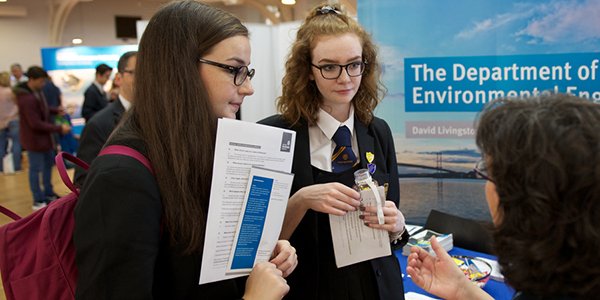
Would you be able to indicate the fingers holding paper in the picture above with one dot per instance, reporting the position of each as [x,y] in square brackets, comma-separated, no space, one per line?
[265,282]
[284,257]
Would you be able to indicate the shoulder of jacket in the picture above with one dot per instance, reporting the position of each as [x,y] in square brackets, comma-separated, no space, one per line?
[20,91]
[274,120]
[379,123]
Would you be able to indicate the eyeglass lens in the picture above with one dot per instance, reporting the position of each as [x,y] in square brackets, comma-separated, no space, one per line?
[240,75]
[481,169]
[334,71]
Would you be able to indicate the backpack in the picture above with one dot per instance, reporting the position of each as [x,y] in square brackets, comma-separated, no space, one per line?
[37,255]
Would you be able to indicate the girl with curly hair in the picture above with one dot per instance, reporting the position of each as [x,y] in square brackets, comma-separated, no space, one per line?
[330,89]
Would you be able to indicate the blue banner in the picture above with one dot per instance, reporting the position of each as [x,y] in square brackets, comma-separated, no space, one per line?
[442,61]
[454,84]
[70,58]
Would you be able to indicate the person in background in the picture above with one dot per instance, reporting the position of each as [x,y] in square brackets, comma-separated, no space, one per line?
[17,75]
[140,236]
[94,97]
[330,90]
[67,142]
[9,124]
[96,131]
[541,159]
[113,93]
[36,130]
[52,93]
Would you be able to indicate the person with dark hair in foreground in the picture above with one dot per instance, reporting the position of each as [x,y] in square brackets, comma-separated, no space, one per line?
[541,159]
[139,236]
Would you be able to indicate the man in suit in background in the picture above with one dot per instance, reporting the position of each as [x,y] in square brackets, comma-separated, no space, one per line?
[94,98]
[99,128]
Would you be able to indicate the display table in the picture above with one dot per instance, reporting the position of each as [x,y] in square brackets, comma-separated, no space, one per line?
[498,290]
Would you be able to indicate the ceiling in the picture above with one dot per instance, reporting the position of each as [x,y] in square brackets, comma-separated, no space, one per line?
[268,11]
[275,11]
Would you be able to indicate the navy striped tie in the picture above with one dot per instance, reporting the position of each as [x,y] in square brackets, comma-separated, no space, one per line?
[343,157]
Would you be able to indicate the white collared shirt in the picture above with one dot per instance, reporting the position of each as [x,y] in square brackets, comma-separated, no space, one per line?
[320,139]
[126,103]
[100,87]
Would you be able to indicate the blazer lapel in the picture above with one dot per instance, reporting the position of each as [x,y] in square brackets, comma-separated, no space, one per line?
[99,91]
[302,164]
[366,142]
[119,108]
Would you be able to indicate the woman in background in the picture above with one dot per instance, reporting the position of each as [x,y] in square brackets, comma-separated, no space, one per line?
[330,90]
[139,236]
[9,124]
[541,159]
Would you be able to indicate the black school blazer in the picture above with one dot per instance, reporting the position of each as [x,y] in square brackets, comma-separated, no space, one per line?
[375,138]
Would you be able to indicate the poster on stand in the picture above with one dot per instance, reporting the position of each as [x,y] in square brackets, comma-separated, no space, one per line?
[73,69]
[443,61]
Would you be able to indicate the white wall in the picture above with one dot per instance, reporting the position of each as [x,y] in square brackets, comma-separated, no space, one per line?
[270,47]
[22,37]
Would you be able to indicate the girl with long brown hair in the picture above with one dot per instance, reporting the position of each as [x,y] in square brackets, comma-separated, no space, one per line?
[139,236]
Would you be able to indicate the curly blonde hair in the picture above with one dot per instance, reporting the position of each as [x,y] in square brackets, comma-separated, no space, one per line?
[4,79]
[300,98]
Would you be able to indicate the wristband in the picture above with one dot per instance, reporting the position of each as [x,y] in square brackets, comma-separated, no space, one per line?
[396,236]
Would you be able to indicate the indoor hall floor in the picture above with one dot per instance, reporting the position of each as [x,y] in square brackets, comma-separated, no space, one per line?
[15,195]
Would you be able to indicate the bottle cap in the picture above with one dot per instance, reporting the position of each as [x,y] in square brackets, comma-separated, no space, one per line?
[362,176]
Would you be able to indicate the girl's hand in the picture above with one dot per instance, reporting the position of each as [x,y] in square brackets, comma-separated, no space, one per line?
[394,219]
[284,257]
[330,198]
[265,282]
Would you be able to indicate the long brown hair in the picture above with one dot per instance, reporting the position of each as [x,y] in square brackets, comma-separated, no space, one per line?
[172,113]
[300,97]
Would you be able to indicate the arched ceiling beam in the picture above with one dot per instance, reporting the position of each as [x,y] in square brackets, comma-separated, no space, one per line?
[59,15]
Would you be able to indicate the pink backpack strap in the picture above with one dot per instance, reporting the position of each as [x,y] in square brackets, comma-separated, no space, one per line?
[127,151]
[59,159]
[9,213]
[62,171]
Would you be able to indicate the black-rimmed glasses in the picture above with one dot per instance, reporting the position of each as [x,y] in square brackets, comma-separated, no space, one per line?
[333,71]
[239,73]
[482,171]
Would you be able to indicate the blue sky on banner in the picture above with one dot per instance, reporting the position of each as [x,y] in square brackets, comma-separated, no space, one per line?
[469,28]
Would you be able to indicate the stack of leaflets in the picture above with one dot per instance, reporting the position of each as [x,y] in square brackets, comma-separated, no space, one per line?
[421,239]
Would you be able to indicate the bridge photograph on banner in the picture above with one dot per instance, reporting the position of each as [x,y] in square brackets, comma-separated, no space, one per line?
[444,60]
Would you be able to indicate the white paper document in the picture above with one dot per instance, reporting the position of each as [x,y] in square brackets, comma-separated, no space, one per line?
[412,229]
[266,200]
[239,147]
[417,296]
[354,242]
